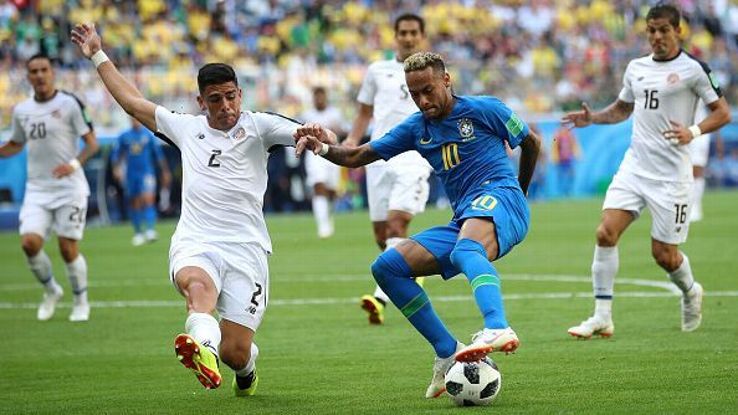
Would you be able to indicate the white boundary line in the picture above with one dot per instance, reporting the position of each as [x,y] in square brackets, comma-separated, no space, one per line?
[322,278]
[334,301]
[668,290]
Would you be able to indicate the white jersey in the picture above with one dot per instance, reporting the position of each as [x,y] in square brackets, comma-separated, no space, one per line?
[662,91]
[384,88]
[224,174]
[52,130]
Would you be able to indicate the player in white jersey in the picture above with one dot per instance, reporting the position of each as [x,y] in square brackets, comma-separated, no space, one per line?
[699,152]
[218,254]
[322,175]
[51,123]
[662,91]
[397,189]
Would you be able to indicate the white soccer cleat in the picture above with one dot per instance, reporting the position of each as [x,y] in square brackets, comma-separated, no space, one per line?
[326,231]
[591,326]
[48,305]
[80,312]
[692,308]
[151,236]
[138,239]
[488,341]
[440,366]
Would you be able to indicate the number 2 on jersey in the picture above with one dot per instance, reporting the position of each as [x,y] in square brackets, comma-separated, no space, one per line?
[213,162]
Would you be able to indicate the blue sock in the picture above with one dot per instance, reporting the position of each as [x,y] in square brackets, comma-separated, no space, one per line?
[470,257]
[393,275]
[149,214]
[136,216]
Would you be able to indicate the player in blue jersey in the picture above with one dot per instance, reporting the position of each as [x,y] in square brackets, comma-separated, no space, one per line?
[463,138]
[140,149]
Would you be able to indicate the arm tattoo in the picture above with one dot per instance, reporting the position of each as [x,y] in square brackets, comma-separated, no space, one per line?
[352,157]
[614,113]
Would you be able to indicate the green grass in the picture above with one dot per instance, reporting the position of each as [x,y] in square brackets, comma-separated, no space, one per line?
[324,358]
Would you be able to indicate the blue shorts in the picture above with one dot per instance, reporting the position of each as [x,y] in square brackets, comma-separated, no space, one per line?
[138,185]
[505,206]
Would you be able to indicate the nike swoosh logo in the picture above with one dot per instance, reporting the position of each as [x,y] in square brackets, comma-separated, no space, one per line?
[425,140]
[640,78]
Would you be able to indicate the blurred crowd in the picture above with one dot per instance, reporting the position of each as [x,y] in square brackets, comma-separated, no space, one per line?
[540,56]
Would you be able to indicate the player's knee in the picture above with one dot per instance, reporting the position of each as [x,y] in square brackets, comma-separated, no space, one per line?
[465,248]
[606,236]
[31,246]
[390,264]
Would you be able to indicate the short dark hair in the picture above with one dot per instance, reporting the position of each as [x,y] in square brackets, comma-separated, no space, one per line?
[410,17]
[319,90]
[665,11]
[215,74]
[39,55]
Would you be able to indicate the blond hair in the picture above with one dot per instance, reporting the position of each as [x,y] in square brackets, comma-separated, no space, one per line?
[421,60]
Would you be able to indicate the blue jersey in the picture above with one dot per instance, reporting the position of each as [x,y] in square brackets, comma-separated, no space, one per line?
[141,150]
[466,149]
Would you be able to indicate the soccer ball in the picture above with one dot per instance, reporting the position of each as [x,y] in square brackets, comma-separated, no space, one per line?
[475,383]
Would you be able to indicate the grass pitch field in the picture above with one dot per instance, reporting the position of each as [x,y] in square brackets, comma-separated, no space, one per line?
[319,355]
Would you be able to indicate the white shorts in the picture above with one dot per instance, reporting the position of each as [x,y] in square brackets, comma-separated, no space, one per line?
[320,170]
[669,203]
[403,189]
[66,214]
[240,272]
[699,150]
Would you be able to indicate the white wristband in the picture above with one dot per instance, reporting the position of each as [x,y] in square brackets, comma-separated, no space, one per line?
[324,150]
[75,164]
[99,57]
[695,130]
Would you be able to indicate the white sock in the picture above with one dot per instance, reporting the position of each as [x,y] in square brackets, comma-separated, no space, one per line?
[682,276]
[698,190]
[41,268]
[205,329]
[604,267]
[251,365]
[322,211]
[77,273]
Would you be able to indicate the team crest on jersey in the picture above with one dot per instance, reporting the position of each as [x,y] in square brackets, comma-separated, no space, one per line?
[672,78]
[466,129]
[56,114]
[240,134]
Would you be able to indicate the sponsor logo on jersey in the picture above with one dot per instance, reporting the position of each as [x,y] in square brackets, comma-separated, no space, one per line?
[672,78]
[466,129]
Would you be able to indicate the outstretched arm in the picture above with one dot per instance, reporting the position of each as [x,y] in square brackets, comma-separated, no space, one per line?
[315,138]
[530,147]
[125,93]
[614,113]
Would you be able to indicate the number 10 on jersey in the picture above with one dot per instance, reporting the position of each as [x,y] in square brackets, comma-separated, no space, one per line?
[450,156]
